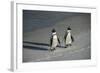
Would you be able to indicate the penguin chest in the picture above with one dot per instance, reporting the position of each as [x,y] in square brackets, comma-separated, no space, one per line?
[55,41]
[68,39]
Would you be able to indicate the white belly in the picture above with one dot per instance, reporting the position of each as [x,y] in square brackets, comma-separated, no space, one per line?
[55,41]
[68,39]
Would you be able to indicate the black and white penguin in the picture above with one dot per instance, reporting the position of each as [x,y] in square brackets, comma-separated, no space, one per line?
[54,40]
[68,38]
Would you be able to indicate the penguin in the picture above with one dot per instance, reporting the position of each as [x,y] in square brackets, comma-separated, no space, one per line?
[68,38]
[54,40]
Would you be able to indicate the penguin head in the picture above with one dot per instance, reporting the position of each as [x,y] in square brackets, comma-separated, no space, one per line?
[53,31]
[69,29]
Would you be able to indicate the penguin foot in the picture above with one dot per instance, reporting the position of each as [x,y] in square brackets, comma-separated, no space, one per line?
[70,44]
[66,46]
[52,49]
[49,49]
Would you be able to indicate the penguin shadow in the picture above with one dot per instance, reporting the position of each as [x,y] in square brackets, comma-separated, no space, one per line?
[34,47]
[37,45]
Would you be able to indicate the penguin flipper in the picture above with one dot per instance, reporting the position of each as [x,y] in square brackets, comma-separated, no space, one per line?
[58,40]
[65,36]
[51,41]
[72,38]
